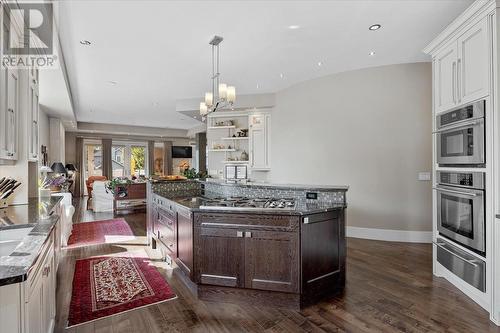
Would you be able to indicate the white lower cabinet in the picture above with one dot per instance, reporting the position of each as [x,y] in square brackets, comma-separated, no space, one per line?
[30,306]
[11,303]
[40,301]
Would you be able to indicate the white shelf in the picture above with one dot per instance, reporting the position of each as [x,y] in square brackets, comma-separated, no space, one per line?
[235,162]
[217,127]
[222,150]
[236,138]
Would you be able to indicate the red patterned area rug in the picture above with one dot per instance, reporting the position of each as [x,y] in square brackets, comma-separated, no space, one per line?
[100,232]
[106,286]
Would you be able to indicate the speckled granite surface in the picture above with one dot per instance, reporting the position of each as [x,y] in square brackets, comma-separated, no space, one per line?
[14,267]
[190,194]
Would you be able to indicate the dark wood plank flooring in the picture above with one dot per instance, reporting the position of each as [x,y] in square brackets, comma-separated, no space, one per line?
[390,288]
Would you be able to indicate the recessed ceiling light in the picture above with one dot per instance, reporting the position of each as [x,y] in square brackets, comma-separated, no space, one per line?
[113,82]
[85,42]
[372,53]
[282,75]
[320,63]
[374,27]
[293,27]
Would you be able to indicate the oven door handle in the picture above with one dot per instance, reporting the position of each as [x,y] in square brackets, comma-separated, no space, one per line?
[455,192]
[460,125]
[470,262]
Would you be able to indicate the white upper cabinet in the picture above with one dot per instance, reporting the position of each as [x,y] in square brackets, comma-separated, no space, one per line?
[473,63]
[11,129]
[259,129]
[445,69]
[461,69]
[33,115]
[9,107]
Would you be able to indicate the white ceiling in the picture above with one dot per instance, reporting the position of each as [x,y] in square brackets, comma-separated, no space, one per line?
[158,52]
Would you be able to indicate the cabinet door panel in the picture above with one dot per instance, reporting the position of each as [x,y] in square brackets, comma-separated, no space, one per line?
[219,257]
[445,78]
[33,124]
[259,126]
[473,63]
[33,315]
[12,112]
[4,115]
[185,243]
[322,251]
[271,261]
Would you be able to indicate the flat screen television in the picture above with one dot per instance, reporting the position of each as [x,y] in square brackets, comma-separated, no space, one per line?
[182,152]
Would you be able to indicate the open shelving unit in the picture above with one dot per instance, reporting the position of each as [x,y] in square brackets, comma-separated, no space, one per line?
[230,123]
[222,127]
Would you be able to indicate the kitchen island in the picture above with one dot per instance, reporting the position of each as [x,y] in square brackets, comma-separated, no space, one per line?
[263,244]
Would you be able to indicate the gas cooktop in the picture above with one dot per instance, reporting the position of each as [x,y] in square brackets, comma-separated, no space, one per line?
[246,203]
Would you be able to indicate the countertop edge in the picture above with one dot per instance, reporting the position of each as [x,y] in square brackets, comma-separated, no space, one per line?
[24,270]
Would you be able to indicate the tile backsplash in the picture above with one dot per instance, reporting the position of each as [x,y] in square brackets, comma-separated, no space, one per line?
[196,188]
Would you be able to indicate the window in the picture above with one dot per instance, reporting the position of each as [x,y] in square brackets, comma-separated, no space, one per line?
[129,159]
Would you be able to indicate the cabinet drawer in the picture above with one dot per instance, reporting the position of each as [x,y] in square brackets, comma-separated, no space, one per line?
[247,221]
[467,267]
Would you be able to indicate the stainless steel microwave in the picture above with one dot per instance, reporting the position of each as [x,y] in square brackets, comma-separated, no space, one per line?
[460,136]
[461,208]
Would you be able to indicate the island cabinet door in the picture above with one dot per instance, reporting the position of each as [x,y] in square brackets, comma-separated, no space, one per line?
[219,257]
[185,241]
[271,261]
[323,252]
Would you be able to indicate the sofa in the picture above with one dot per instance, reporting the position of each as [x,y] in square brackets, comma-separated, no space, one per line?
[102,198]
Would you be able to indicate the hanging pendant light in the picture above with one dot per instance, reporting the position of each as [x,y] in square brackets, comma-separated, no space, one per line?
[222,95]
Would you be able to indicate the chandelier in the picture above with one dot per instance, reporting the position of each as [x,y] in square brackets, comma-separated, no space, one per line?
[222,95]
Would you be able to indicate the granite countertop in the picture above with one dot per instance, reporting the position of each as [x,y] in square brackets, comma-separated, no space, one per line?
[301,207]
[261,185]
[14,267]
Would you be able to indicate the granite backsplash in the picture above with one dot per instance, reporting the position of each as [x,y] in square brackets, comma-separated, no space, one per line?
[191,188]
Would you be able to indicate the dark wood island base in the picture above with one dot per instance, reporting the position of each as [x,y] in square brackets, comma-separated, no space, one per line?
[286,259]
[281,261]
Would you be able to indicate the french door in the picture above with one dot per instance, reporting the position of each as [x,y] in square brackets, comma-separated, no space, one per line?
[92,160]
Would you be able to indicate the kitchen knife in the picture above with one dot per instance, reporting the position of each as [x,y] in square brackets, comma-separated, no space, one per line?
[11,181]
[6,194]
[16,186]
[8,187]
[5,182]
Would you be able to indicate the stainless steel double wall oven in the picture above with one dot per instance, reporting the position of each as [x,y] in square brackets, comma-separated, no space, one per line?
[460,191]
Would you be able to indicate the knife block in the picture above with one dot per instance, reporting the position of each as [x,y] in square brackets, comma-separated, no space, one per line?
[4,203]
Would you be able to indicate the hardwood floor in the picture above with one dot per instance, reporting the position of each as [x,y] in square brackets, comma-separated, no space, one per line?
[390,288]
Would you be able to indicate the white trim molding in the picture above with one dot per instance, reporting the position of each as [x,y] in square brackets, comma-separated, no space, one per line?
[390,235]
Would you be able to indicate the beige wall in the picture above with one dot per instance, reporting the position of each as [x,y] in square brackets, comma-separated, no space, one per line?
[370,129]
